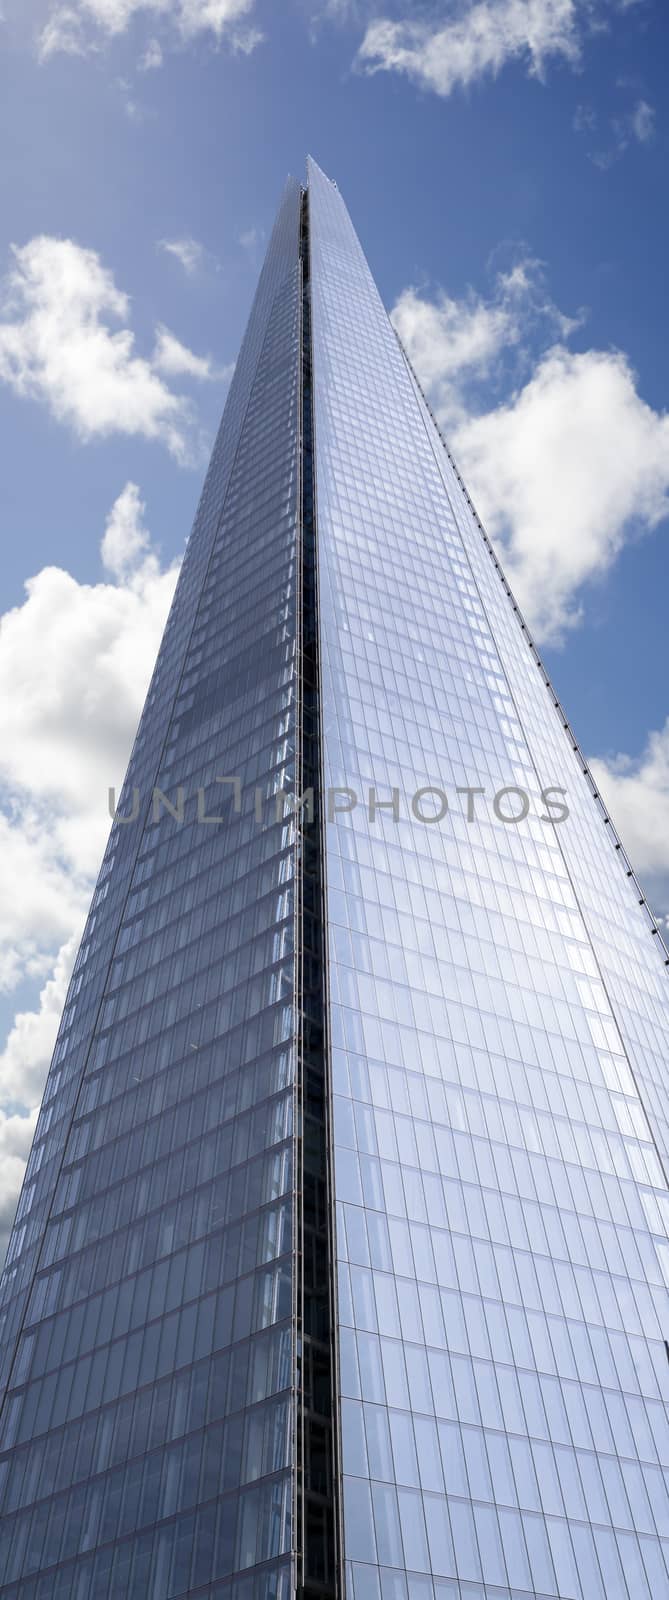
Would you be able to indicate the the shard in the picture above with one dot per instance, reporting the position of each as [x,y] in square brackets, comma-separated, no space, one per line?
[341,1263]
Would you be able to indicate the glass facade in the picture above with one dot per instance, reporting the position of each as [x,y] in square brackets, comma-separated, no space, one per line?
[147,1429]
[500,1034]
[341,1261]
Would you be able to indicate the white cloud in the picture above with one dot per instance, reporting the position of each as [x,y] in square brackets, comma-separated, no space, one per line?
[196,16]
[126,540]
[251,239]
[637,792]
[57,346]
[16,1133]
[24,1064]
[174,359]
[76,27]
[246,40]
[189,252]
[565,474]
[43,891]
[29,1046]
[643,121]
[135,112]
[442,55]
[635,125]
[450,341]
[63,34]
[455,345]
[339,10]
[584,119]
[152,58]
[571,466]
[75,662]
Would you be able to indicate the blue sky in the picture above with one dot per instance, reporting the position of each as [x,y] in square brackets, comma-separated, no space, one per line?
[505,164]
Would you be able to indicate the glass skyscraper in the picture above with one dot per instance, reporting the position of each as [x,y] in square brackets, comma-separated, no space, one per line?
[341,1263]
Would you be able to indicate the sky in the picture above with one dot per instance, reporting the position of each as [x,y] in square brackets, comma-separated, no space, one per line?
[505,165]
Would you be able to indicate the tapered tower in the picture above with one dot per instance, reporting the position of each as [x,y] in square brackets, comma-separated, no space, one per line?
[340,1266]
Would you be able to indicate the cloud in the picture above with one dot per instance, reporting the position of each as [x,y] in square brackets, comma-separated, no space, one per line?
[135,112]
[246,40]
[459,345]
[75,662]
[450,341]
[126,540]
[643,121]
[16,1135]
[25,1059]
[43,891]
[217,16]
[565,474]
[441,56]
[637,126]
[189,252]
[24,1064]
[82,25]
[338,10]
[584,119]
[152,57]
[637,794]
[63,34]
[566,469]
[58,345]
[174,359]
[251,240]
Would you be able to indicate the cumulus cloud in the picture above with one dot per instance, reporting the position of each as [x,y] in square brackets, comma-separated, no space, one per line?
[24,1064]
[75,662]
[76,27]
[58,345]
[637,793]
[450,341]
[456,345]
[441,56]
[16,1133]
[25,1059]
[42,891]
[565,473]
[569,466]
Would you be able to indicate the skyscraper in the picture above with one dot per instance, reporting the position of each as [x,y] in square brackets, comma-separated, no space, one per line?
[341,1261]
